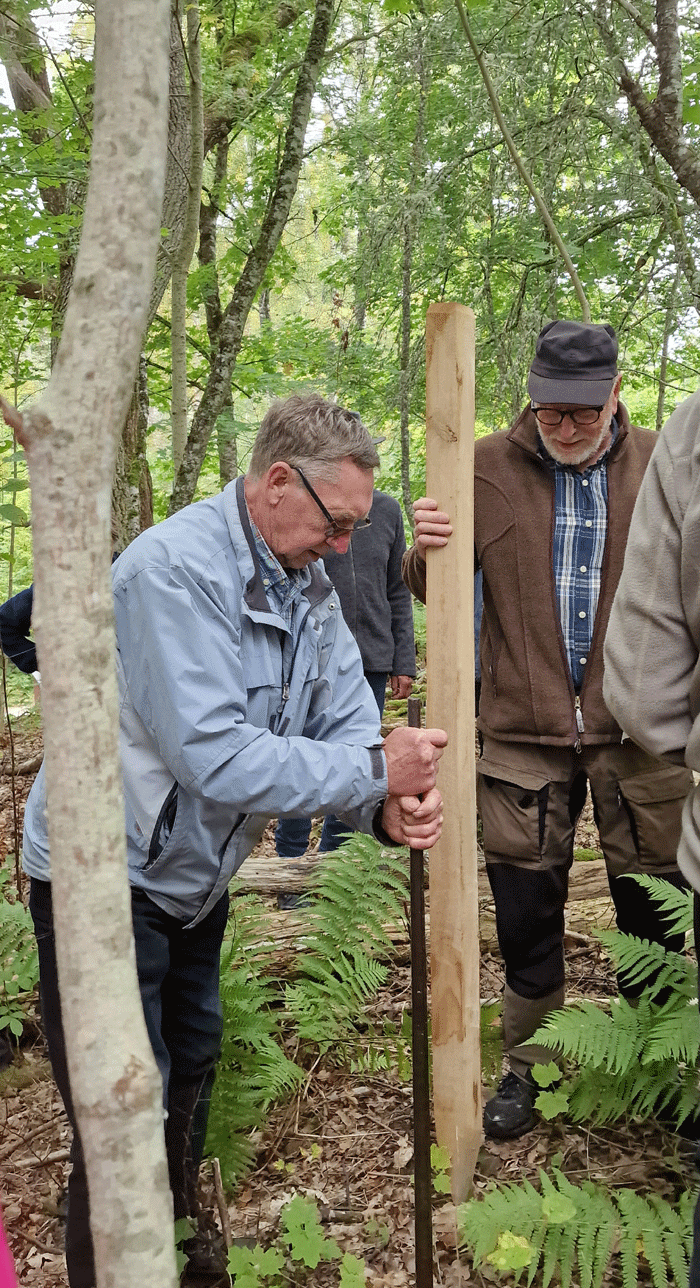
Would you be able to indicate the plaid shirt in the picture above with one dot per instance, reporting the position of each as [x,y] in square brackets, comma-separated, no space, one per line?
[283,588]
[580,528]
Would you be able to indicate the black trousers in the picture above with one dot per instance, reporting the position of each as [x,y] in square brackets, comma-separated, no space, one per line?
[178,972]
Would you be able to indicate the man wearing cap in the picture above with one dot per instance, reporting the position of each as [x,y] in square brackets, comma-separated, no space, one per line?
[553,500]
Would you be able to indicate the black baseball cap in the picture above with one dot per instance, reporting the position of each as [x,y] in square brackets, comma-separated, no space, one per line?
[575,362]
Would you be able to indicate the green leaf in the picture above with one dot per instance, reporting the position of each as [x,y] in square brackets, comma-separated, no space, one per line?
[545,1074]
[184,1228]
[551,1103]
[13,514]
[440,1158]
[249,1265]
[557,1209]
[512,1252]
[305,1237]
[352,1272]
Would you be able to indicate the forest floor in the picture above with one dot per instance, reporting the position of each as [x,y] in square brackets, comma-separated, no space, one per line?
[345,1140]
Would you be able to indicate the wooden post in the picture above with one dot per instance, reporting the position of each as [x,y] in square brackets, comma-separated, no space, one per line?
[454,904]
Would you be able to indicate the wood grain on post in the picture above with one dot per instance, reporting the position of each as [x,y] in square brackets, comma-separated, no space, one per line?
[454,898]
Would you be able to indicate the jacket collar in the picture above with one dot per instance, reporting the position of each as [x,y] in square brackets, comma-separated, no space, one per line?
[255,595]
[523,431]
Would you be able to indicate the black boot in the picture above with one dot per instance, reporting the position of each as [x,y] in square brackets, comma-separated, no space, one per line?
[511,1111]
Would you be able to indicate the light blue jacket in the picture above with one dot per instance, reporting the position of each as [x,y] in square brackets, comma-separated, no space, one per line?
[227,716]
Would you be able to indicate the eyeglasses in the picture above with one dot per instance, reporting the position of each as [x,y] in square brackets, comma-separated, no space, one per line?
[334,529]
[579,415]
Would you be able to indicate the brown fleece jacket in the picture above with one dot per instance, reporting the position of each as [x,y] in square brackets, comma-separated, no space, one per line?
[527,693]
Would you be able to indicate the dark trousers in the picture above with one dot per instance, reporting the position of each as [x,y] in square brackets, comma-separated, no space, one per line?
[292,834]
[529,799]
[178,972]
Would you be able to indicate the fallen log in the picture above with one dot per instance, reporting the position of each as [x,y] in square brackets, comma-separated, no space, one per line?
[268,874]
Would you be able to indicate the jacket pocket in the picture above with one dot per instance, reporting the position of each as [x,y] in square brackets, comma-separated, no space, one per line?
[513,811]
[653,802]
[163,830]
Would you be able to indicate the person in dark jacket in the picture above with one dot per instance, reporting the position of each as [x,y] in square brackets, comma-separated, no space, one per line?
[15,625]
[377,607]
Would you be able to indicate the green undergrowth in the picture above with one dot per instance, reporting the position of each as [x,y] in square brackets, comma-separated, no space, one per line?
[319,1008]
[622,1061]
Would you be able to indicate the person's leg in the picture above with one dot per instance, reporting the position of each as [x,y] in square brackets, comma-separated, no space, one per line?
[292,837]
[528,809]
[637,803]
[191,1029]
[377,683]
[80,1258]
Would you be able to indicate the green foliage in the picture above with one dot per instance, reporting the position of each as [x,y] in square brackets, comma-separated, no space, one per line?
[253,1070]
[19,965]
[441,1164]
[566,1230]
[303,1243]
[359,888]
[634,1057]
[304,1234]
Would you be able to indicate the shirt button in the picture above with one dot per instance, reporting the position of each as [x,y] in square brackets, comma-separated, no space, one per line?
[584,482]
[266,581]
[582,660]
[582,614]
[583,568]
[589,523]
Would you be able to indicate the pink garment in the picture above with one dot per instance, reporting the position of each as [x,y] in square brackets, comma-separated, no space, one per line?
[8,1279]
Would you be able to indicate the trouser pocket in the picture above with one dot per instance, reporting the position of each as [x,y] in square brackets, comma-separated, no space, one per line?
[653,802]
[513,812]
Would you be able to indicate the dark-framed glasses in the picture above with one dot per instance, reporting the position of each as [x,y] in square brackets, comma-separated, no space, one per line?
[334,529]
[579,415]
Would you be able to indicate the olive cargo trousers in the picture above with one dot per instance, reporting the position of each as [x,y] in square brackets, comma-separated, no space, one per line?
[529,798]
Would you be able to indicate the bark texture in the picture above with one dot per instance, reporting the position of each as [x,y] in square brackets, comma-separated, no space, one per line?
[662,116]
[70,438]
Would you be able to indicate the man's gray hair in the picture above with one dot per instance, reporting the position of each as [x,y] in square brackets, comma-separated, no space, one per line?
[313,433]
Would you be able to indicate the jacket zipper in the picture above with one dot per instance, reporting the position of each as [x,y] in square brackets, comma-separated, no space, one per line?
[285,686]
[579,722]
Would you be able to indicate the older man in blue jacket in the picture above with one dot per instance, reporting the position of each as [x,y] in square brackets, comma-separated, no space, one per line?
[242,696]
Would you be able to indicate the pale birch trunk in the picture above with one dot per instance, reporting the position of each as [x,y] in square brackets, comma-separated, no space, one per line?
[70,438]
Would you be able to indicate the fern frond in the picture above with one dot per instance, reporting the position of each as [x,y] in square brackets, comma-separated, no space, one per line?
[359,891]
[642,962]
[678,904]
[674,1034]
[571,1228]
[673,1233]
[591,1036]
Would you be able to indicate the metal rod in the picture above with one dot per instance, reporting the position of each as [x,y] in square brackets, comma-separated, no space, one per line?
[421,1067]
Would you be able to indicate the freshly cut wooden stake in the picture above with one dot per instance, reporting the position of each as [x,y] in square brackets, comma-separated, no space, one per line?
[454,903]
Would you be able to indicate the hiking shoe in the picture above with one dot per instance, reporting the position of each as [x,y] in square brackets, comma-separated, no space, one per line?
[511,1112]
[207,1259]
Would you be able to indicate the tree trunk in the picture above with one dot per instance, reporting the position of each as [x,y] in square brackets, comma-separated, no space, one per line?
[188,241]
[132,490]
[250,281]
[70,438]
